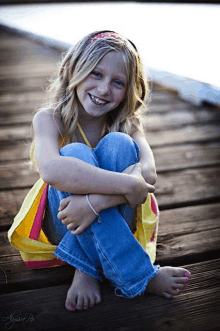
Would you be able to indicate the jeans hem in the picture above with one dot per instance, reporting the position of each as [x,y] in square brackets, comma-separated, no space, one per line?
[131,291]
[77,262]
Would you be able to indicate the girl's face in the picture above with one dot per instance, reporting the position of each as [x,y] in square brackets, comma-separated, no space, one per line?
[105,87]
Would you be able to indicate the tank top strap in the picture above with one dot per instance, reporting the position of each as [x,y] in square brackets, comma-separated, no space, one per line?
[83,135]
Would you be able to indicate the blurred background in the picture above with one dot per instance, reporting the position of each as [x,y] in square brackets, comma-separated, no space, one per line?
[179,42]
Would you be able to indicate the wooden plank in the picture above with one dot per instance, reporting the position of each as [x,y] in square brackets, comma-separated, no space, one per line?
[21,102]
[152,122]
[17,151]
[188,234]
[177,188]
[185,235]
[167,158]
[11,201]
[15,133]
[186,156]
[23,84]
[15,118]
[180,118]
[187,187]
[163,97]
[28,69]
[160,108]
[19,277]
[17,175]
[151,312]
[188,134]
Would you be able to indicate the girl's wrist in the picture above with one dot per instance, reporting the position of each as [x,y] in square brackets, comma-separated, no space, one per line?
[103,201]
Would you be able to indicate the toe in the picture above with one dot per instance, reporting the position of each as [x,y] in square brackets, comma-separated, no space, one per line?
[92,300]
[174,291]
[180,272]
[85,303]
[71,303]
[79,305]
[167,295]
[179,286]
[181,280]
[97,299]
[70,307]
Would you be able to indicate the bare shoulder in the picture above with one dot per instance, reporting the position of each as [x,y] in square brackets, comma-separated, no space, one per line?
[46,122]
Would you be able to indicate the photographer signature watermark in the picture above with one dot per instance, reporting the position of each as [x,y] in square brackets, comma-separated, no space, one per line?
[16,317]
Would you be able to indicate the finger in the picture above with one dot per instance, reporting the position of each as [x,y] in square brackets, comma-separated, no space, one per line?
[79,230]
[63,203]
[151,188]
[71,226]
[61,215]
[65,221]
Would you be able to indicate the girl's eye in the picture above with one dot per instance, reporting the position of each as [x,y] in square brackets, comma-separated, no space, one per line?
[96,73]
[119,83]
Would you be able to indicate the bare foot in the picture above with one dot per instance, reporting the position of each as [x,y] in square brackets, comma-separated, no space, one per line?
[169,282]
[83,293]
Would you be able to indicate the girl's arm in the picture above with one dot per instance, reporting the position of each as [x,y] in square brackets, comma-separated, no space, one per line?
[75,212]
[73,175]
[146,158]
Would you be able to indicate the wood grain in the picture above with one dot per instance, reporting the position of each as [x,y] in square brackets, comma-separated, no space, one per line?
[147,313]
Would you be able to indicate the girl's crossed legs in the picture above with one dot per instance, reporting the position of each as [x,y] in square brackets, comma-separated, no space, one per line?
[104,247]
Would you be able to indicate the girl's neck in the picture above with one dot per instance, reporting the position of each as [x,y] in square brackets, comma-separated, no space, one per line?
[87,121]
[93,130]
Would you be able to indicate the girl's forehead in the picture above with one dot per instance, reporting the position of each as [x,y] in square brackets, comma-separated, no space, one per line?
[113,62]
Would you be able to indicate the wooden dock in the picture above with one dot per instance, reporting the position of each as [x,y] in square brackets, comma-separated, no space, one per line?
[186,143]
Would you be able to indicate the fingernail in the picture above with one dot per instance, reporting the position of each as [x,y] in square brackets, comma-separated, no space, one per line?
[187,274]
[79,307]
[85,307]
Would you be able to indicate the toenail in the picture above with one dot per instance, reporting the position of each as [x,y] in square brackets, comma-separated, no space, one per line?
[91,305]
[79,307]
[187,274]
[70,307]
[85,307]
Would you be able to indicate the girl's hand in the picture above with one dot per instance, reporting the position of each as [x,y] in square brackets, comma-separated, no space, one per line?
[75,212]
[140,188]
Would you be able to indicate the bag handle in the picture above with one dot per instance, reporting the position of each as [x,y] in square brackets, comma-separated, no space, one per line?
[37,224]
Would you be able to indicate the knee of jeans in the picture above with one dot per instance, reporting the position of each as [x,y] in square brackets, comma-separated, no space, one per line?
[73,149]
[79,151]
[119,141]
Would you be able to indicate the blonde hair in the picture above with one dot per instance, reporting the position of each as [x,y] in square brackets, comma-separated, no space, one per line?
[78,63]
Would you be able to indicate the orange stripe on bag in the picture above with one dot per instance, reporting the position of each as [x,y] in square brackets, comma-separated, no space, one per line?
[26,232]
[36,227]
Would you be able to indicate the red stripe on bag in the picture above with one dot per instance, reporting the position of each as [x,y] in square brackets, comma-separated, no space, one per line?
[44,264]
[153,206]
[37,224]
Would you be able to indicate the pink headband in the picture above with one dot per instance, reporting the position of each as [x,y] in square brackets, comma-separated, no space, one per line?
[105,35]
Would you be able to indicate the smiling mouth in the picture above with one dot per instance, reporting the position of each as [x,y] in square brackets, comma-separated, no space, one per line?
[98,101]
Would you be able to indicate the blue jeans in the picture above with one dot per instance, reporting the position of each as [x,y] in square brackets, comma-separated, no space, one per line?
[108,247]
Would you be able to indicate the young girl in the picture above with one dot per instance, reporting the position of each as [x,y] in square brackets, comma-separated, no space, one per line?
[93,191]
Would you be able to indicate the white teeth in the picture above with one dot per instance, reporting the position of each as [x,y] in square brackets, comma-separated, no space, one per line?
[98,101]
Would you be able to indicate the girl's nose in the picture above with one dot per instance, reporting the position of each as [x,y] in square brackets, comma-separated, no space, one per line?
[104,88]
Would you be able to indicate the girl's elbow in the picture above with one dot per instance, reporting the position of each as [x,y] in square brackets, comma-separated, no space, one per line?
[150,176]
[47,174]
